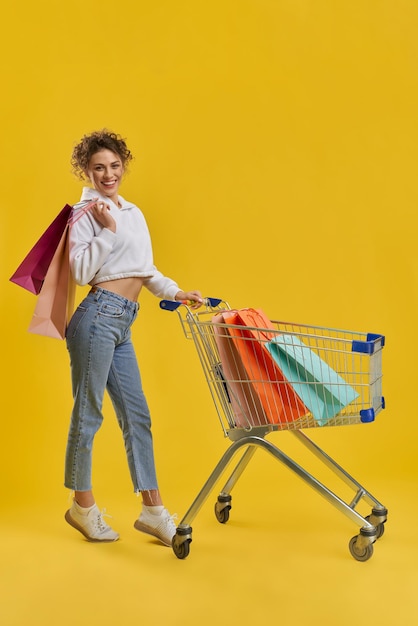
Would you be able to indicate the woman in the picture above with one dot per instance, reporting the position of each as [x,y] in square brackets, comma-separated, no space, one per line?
[110,249]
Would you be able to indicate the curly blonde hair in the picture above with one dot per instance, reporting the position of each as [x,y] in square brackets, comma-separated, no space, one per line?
[94,142]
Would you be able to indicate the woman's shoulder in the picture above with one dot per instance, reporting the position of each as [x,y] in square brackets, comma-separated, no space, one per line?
[87,195]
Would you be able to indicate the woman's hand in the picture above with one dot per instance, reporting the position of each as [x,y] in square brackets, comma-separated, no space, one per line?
[191,298]
[100,212]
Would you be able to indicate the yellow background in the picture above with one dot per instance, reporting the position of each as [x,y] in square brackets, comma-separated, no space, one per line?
[275,146]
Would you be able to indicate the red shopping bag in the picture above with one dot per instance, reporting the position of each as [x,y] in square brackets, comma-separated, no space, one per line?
[55,302]
[244,399]
[251,330]
[32,271]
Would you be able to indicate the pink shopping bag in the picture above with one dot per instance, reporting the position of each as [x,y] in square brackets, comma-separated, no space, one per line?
[245,402]
[55,302]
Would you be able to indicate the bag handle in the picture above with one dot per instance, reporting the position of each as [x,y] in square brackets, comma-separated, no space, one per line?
[87,204]
[259,321]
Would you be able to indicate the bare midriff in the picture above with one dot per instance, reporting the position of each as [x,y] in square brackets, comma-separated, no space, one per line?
[129,288]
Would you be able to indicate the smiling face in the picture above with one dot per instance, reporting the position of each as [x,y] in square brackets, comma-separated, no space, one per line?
[105,171]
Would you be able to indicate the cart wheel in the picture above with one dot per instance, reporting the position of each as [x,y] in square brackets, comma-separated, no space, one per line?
[360,554]
[380,528]
[222,507]
[181,548]
[222,514]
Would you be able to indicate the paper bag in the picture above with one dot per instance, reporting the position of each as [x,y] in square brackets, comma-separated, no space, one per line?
[320,388]
[32,271]
[245,403]
[250,330]
[55,301]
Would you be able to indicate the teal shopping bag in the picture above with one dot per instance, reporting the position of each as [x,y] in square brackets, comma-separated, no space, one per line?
[319,387]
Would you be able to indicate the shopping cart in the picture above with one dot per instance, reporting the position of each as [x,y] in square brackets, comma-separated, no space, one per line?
[284,376]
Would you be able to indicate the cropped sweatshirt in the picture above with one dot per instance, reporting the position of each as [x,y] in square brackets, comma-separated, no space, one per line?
[97,254]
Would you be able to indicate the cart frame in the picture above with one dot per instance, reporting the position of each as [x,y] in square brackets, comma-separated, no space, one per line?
[245,441]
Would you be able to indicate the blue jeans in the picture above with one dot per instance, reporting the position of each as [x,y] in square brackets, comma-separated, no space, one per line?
[102,357]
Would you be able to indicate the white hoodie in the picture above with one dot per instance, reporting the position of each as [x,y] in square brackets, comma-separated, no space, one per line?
[98,255]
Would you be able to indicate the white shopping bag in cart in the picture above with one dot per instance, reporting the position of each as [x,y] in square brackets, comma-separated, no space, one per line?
[320,388]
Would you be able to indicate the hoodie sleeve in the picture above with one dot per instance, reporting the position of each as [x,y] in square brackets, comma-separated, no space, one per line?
[161,286]
[90,245]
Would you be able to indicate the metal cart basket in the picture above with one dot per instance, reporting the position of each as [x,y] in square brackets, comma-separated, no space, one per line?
[283,376]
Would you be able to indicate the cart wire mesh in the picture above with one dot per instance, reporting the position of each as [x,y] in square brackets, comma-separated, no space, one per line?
[288,375]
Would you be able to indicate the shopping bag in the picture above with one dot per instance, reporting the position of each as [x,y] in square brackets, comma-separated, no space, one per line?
[320,388]
[251,330]
[32,271]
[245,403]
[55,302]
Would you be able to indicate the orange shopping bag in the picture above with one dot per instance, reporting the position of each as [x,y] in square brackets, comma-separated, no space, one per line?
[244,399]
[251,330]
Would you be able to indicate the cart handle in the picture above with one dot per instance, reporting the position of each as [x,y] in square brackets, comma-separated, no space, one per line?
[171,305]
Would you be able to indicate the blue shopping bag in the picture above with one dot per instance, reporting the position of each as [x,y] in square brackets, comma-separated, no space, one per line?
[320,388]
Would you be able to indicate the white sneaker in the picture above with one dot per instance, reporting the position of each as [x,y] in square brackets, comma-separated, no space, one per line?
[161,526]
[91,525]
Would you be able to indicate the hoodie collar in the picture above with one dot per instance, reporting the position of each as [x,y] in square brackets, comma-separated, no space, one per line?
[88,194]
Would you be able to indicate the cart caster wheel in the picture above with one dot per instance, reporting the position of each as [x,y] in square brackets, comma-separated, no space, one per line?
[182,550]
[181,542]
[222,508]
[222,515]
[380,528]
[360,553]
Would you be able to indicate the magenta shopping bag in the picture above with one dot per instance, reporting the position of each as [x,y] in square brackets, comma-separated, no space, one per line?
[32,271]
[55,302]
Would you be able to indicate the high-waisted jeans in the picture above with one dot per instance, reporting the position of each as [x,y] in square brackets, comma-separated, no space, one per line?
[102,357]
